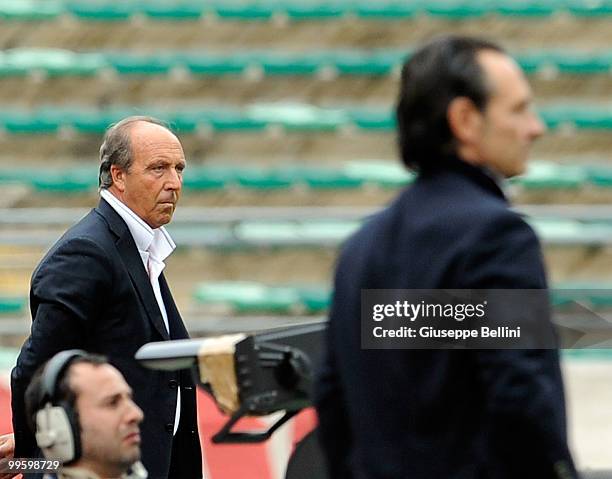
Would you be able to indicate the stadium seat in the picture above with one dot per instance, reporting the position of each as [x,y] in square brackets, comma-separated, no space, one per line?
[244,11]
[12,304]
[130,64]
[457,10]
[29,10]
[379,173]
[107,11]
[514,8]
[394,10]
[584,8]
[545,175]
[297,117]
[216,64]
[266,179]
[247,297]
[174,11]
[252,297]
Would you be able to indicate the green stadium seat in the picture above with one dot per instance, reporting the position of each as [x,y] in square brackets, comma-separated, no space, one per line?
[248,297]
[394,10]
[600,176]
[18,122]
[301,10]
[265,179]
[29,10]
[534,61]
[592,118]
[521,8]
[216,64]
[380,173]
[245,11]
[584,64]
[102,11]
[131,64]
[174,11]
[313,233]
[457,10]
[372,119]
[208,178]
[66,182]
[371,64]
[314,299]
[329,179]
[288,64]
[53,62]
[572,232]
[585,8]
[544,175]
[12,304]
[297,117]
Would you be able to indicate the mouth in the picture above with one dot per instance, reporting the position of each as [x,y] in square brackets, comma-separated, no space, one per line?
[133,438]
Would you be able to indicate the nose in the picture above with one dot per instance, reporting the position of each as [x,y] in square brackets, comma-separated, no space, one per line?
[538,128]
[174,180]
[134,413]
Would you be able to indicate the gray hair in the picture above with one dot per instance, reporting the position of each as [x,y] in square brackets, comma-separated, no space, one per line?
[116,147]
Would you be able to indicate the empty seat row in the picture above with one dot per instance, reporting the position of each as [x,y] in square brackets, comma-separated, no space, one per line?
[287,117]
[348,175]
[327,64]
[323,234]
[295,10]
[252,297]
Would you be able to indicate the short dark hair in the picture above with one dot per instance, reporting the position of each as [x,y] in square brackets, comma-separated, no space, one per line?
[444,69]
[34,394]
[116,147]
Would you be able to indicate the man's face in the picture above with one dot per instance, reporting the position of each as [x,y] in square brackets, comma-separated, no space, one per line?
[152,185]
[509,125]
[109,419]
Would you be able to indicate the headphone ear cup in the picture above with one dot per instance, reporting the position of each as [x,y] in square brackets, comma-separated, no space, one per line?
[55,434]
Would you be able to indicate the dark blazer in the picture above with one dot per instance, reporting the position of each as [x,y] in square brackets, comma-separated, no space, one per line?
[91,291]
[399,414]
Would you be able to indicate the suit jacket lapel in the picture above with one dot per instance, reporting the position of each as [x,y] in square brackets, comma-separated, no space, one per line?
[133,262]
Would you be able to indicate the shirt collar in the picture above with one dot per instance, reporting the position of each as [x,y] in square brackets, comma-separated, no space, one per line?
[157,242]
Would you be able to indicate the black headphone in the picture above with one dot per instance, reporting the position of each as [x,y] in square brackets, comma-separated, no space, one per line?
[57,428]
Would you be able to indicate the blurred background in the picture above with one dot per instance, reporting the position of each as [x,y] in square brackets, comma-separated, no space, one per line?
[285,112]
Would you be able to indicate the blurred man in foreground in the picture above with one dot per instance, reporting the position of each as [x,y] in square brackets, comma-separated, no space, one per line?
[83,415]
[465,123]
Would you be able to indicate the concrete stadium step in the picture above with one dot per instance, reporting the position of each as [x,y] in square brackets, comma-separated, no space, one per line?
[309,268]
[91,25]
[31,77]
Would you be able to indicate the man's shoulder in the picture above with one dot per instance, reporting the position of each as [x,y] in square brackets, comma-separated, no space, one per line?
[90,233]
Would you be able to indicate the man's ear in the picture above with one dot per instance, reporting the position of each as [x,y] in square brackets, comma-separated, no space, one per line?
[464,120]
[118,175]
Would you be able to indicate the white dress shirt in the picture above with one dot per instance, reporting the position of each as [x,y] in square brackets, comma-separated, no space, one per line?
[154,246]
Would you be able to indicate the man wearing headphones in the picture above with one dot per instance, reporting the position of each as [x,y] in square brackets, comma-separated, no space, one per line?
[82,413]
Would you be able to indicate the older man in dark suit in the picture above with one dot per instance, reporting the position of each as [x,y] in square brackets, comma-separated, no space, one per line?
[465,123]
[101,288]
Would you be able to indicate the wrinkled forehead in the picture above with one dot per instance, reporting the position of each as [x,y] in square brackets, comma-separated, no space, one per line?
[147,138]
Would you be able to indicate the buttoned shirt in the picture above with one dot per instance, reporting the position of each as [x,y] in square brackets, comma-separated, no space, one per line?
[154,246]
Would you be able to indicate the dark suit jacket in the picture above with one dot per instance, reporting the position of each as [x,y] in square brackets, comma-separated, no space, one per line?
[409,414]
[91,291]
